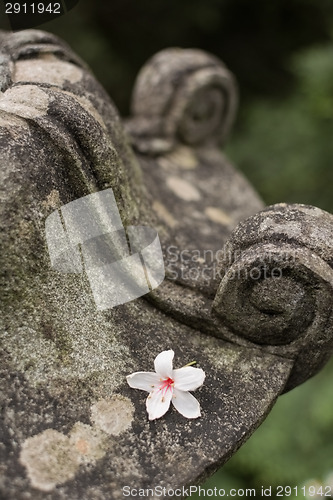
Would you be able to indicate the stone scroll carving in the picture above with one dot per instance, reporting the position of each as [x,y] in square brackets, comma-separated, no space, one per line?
[182,95]
[277,285]
[71,427]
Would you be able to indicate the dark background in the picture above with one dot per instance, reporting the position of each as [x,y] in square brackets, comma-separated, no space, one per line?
[282,55]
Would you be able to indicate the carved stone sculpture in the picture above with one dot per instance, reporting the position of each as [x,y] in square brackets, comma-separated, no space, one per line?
[247,293]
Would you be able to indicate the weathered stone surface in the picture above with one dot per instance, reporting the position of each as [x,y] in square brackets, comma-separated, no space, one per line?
[71,426]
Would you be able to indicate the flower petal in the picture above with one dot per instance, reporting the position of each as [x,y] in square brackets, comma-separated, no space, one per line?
[186,404]
[163,364]
[188,378]
[146,381]
[158,403]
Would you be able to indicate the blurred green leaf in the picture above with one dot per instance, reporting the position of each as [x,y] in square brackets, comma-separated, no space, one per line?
[285,147]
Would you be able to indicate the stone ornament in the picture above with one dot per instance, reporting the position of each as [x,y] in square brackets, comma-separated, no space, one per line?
[72,427]
[185,96]
[280,275]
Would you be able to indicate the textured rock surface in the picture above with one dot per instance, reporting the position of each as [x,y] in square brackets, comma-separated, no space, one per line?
[72,428]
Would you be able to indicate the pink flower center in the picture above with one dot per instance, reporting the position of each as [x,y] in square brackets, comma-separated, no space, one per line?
[166,384]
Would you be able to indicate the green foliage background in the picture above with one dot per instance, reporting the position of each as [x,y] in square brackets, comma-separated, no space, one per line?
[281,52]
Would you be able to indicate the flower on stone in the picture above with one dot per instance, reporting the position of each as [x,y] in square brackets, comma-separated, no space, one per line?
[168,385]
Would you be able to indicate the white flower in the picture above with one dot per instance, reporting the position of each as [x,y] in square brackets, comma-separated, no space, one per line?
[168,385]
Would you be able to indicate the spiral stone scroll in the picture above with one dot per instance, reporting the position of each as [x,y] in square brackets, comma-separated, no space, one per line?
[182,95]
[277,287]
